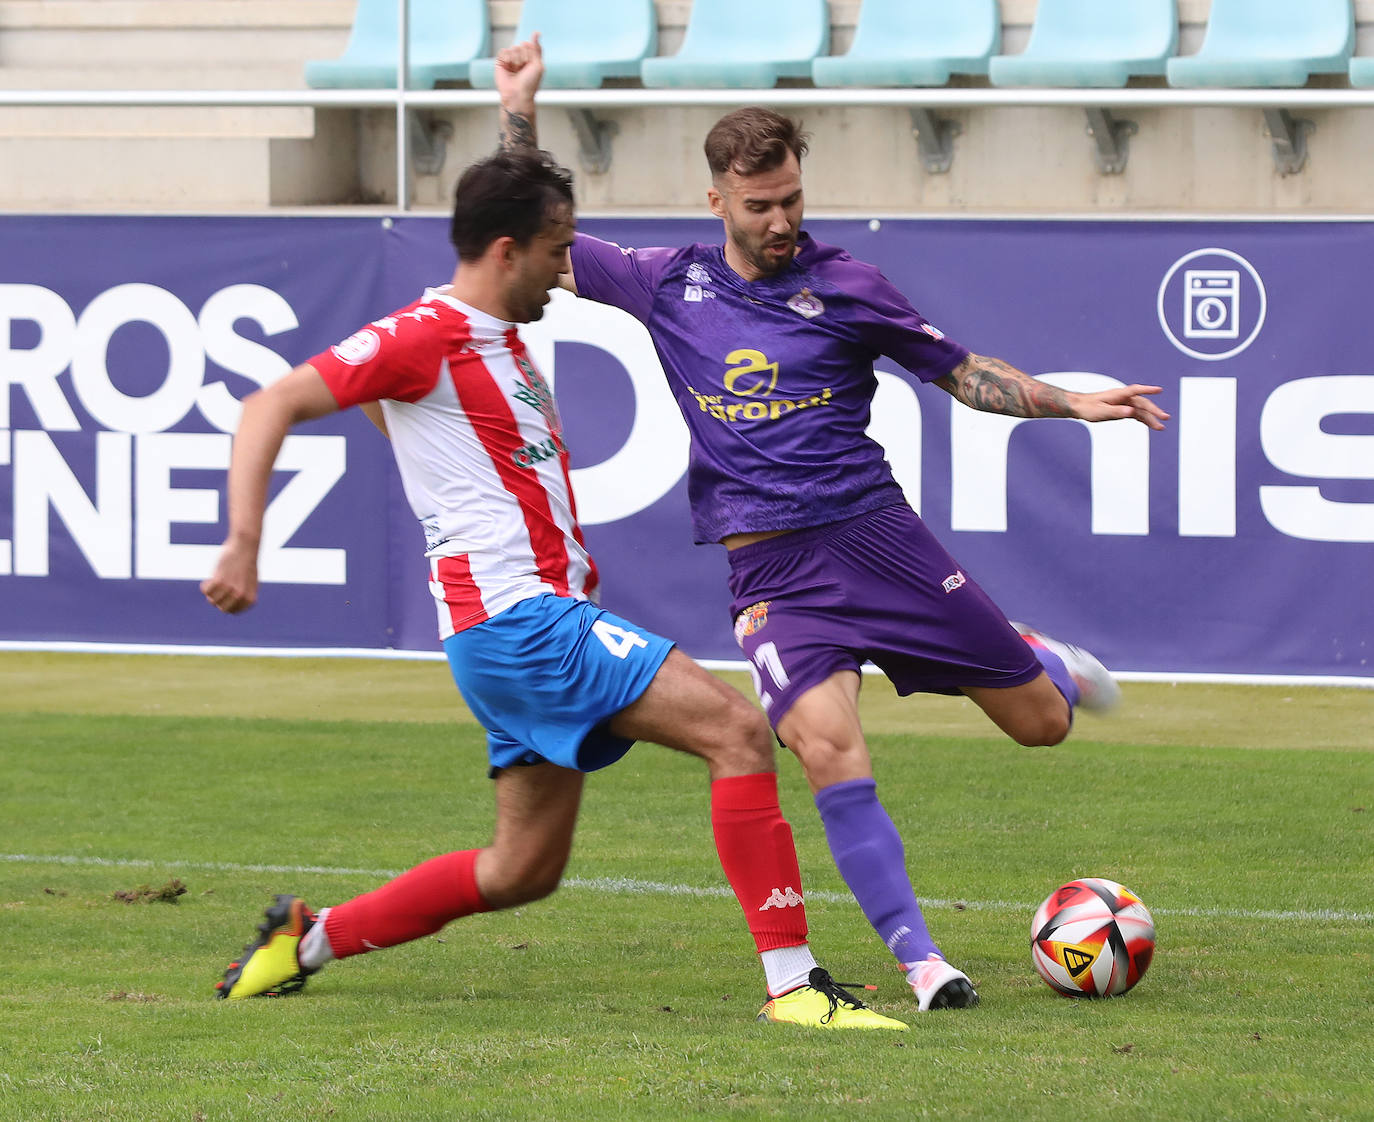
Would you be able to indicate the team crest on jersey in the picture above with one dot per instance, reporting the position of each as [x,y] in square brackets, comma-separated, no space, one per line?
[806,304]
[358,348]
[752,619]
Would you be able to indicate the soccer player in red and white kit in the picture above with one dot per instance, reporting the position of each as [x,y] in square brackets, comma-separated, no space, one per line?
[561,686]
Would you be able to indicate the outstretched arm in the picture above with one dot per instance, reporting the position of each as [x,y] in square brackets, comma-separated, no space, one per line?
[993,386]
[268,416]
[519,70]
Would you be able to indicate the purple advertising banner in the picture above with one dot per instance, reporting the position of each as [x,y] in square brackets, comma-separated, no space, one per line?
[1239,541]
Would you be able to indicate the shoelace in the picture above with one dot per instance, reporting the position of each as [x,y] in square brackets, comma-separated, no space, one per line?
[819,979]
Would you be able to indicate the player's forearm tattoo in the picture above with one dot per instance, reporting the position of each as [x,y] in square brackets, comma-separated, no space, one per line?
[517,131]
[993,386]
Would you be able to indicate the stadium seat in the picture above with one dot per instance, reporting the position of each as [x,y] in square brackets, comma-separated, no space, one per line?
[584,41]
[1088,43]
[1362,71]
[1266,43]
[914,43]
[445,36]
[744,44]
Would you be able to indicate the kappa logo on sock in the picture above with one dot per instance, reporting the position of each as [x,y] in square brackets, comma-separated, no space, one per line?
[782,899]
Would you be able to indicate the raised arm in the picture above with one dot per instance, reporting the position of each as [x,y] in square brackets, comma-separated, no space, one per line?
[993,386]
[268,415]
[519,70]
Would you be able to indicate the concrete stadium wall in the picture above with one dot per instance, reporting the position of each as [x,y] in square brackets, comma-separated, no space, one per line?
[1006,160]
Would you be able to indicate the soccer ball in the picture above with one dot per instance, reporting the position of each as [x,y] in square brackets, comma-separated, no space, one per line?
[1092,938]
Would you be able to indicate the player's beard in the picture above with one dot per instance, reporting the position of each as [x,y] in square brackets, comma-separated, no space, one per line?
[533,306]
[770,264]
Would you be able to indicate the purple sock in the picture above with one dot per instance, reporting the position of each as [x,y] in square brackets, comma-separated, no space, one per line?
[1058,674]
[869,854]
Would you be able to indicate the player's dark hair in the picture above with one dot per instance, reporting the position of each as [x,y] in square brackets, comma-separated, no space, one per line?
[512,194]
[753,139]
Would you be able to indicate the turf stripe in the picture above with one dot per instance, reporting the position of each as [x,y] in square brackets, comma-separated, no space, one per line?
[627,886]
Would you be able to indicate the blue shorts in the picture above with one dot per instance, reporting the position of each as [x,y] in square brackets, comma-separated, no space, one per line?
[877,587]
[544,677]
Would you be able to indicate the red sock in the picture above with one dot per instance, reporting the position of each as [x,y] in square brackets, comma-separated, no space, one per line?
[755,846]
[415,904]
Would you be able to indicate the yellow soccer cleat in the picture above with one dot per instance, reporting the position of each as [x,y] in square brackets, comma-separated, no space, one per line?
[270,967]
[822,1003]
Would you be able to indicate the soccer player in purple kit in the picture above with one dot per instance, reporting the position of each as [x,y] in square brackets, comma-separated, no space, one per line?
[768,344]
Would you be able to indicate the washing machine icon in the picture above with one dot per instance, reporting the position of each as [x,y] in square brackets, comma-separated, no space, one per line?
[1211,304]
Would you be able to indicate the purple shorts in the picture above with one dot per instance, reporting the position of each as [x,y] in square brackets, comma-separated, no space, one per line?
[879,588]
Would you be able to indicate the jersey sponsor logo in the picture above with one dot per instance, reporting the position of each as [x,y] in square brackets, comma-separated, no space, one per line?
[692,294]
[358,348]
[770,410]
[955,580]
[697,274]
[747,372]
[931,330]
[535,453]
[806,304]
[536,394]
[752,620]
[782,898]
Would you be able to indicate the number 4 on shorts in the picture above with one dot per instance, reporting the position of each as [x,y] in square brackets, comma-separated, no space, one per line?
[616,639]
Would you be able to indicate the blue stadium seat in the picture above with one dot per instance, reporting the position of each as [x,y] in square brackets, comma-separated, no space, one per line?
[445,36]
[1265,43]
[1362,71]
[915,43]
[744,44]
[584,41]
[1089,43]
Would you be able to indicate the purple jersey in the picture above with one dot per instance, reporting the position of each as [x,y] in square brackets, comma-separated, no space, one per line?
[774,377]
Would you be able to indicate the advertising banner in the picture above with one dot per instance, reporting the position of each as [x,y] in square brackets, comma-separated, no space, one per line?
[1239,541]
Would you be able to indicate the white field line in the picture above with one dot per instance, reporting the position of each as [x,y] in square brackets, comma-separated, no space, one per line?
[627,886]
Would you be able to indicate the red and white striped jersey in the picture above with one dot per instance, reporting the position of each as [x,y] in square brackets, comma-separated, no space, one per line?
[476,435]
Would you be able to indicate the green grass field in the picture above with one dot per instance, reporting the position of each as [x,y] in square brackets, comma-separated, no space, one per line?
[1244,817]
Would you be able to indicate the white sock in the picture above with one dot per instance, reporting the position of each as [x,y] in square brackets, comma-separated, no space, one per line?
[315,950]
[787,968]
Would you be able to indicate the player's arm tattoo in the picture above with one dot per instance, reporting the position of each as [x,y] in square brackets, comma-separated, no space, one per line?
[994,386]
[517,131]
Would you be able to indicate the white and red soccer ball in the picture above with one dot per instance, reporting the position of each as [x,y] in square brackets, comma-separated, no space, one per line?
[1092,938]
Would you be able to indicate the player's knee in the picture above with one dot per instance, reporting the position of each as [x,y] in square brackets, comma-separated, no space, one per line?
[515,883]
[745,743]
[1045,731]
[828,759]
